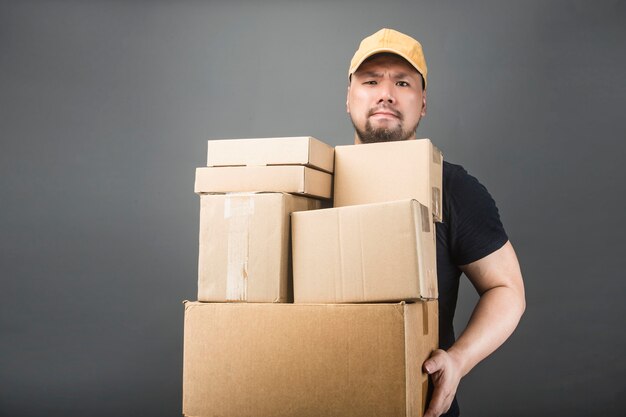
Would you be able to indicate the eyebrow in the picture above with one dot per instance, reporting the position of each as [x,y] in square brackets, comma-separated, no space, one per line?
[375,74]
[370,74]
[402,75]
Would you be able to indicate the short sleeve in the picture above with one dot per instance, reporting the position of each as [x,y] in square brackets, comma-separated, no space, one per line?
[474,221]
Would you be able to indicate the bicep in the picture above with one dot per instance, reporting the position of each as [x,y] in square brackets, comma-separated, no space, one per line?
[498,269]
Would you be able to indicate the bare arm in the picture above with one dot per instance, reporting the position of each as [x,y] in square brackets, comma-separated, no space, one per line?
[498,280]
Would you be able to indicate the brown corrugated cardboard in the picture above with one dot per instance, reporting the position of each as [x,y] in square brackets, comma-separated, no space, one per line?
[376,172]
[304,150]
[288,179]
[307,360]
[245,247]
[365,253]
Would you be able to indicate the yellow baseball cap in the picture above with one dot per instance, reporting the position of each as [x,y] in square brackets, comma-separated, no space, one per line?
[389,40]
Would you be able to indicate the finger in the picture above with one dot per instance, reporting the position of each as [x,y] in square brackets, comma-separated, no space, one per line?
[435,362]
[439,403]
[435,404]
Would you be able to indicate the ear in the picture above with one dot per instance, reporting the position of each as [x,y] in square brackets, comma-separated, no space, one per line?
[423,113]
[348,100]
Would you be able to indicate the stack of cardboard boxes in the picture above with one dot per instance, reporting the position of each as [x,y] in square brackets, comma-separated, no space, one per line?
[364,312]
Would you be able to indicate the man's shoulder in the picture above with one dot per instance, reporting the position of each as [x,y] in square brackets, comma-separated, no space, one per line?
[451,170]
[455,177]
[473,225]
[461,190]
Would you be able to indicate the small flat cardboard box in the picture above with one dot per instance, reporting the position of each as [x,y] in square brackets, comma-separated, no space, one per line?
[383,252]
[306,360]
[245,246]
[282,179]
[305,150]
[377,172]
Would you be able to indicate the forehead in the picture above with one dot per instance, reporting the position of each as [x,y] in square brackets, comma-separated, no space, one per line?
[387,61]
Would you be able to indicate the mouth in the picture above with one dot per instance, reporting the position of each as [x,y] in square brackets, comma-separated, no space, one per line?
[385,114]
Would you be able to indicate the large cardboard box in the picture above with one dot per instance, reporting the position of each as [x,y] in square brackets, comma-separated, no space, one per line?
[306,360]
[245,247]
[365,253]
[305,150]
[286,179]
[377,172]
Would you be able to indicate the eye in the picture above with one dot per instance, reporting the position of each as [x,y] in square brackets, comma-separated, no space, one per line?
[370,82]
[402,84]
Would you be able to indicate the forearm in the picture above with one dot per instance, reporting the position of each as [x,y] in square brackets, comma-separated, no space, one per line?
[494,319]
[498,280]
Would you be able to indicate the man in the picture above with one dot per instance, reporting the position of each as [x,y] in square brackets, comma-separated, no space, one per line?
[386,100]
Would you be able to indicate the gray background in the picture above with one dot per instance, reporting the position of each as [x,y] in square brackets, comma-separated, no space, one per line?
[105,107]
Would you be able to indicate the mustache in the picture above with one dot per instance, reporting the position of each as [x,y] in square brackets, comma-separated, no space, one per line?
[386,109]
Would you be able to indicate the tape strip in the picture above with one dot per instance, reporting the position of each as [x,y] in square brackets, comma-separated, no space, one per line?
[425,318]
[238,204]
[436,197]
[425,219]
[437,157]
[238,209]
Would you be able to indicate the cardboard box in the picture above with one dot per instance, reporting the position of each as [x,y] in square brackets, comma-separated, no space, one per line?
[282,179]
[377,172]
[307,360]
[245,247]
[368,253]
[304,150]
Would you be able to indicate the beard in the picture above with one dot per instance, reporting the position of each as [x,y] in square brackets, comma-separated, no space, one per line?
[383,134]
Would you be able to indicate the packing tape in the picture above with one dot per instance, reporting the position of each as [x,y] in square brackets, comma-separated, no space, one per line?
[425,219]
[437,157]
[436,197]
[425,318]
[238,204]
[238,209]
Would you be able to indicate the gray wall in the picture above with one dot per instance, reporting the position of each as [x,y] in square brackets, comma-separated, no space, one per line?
[105,107]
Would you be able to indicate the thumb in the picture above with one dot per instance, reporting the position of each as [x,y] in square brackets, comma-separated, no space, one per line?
[434,363]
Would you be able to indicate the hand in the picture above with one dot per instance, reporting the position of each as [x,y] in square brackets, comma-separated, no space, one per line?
[445,372]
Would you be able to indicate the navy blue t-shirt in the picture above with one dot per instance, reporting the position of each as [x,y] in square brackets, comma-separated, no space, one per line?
[471,229]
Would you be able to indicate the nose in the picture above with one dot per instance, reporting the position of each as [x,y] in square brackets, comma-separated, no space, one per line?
[386,94]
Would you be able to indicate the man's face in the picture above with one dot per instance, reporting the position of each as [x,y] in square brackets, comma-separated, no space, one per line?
[385,99]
